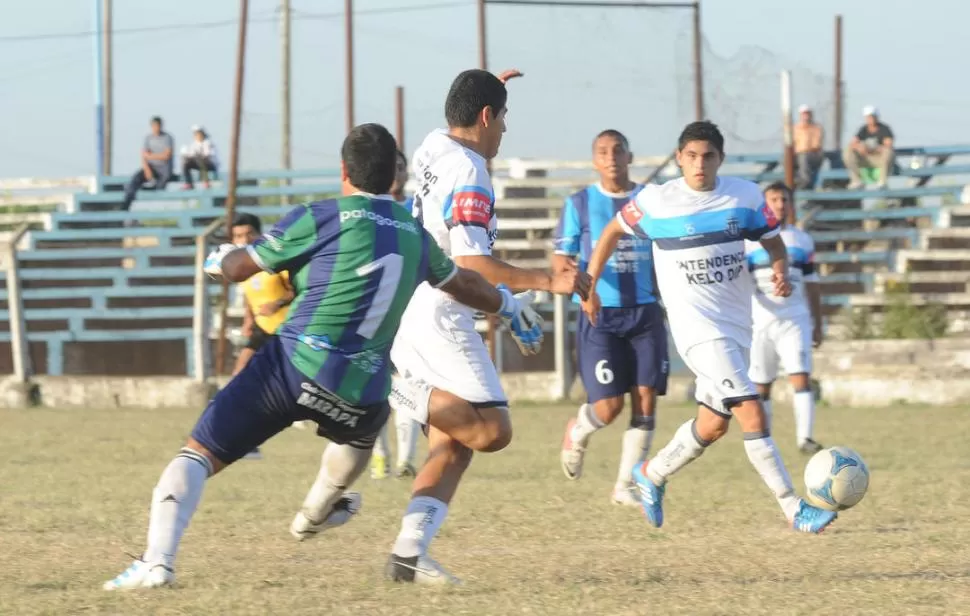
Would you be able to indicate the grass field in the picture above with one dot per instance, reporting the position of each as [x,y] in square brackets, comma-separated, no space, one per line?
[75,486]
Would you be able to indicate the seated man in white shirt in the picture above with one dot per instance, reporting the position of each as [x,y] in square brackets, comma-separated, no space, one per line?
[201,156]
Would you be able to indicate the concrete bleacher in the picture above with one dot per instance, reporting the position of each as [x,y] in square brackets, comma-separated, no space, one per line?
[104,298]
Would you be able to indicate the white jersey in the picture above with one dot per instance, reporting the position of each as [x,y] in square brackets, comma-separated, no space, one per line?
[698,250]
[768,307]
[455,198]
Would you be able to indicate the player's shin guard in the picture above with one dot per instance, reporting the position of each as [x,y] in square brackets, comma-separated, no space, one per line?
[174,500]
[421,522]
[586,423]
[804,403]
[765,458]
[407,438]
[636,445]
[340,467]
[684,448]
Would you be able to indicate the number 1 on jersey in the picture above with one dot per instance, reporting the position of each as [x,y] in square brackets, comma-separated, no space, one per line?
[389,269]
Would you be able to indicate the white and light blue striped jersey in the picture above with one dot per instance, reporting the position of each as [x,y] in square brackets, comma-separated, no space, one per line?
[698,253]
[627,279]
[767,306]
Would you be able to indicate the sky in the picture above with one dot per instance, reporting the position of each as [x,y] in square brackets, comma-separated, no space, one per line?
[585,70]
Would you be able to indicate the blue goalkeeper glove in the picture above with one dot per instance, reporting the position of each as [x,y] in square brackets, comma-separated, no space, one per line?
[523,322]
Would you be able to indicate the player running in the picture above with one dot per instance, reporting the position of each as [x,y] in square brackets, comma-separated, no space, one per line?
[698,225]
[448,380]
[355,262]
[786,328]
[267,297]
[626,350]
[406,428]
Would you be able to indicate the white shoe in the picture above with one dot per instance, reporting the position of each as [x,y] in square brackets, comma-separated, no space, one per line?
[626,495]
[142,575]
[571,455]
[418,570]
[304,528]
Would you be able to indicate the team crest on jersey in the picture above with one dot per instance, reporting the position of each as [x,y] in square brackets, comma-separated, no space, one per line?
[733,228]
[690,229]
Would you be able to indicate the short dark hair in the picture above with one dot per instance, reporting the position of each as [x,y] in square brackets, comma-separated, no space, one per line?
[246,219]
[702,131]
[369,153]
[779,186]
[470,92]
[610,132]
[156,119]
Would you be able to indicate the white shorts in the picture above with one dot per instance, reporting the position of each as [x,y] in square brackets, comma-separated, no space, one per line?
[721,370]
[785,340]
[438,344]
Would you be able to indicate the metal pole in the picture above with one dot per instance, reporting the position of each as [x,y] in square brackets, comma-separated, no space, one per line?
[233,171]
[108,87]
[19,346]
[837,123]
[349,56]
[482,43]
[561,327]
[789,148]
[285,22]
[200,306]
[698,65]
[98,90]
[399,116]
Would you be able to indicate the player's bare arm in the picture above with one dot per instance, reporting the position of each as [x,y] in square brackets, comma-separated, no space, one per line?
[779,264]
[814,292]
[562,263]
[565,282]
[471,289]
[605,248]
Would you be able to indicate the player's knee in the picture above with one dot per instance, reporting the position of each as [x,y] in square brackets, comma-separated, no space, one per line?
[609,409]
[496,432]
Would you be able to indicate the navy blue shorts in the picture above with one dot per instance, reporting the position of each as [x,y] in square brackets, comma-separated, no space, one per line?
[269,395]
[627,348]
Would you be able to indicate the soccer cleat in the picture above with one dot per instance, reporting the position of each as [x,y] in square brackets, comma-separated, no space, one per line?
[809,446]
[348,506]
[380,468]
[625,495]
[811,519]
[142,575]
[417,570]
[404,470]
[571,456]
[651,495]
[255,454]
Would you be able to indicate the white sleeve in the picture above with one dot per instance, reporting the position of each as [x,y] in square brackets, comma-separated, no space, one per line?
[468,213]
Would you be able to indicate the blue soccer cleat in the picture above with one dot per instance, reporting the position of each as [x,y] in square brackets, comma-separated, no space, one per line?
[651,496]
[811,519]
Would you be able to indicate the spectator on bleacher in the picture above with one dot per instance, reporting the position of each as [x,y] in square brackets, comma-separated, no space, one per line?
[199,156]
[871,148]
[156,162]
[808,149]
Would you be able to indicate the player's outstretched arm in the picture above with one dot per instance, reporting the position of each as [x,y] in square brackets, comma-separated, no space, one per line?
[605,247]
[564,282]
[779,264]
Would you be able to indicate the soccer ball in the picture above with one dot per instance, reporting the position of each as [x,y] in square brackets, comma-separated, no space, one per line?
[836,478]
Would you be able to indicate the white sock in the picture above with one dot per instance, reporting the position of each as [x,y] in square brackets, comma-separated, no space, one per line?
[410,397]
[766,405]
[636,445]
[804,402]
[767,461]
[421,522]
[684,448]
[340,466]
[586,423]
[382,447]
[174,500]
[407,438]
